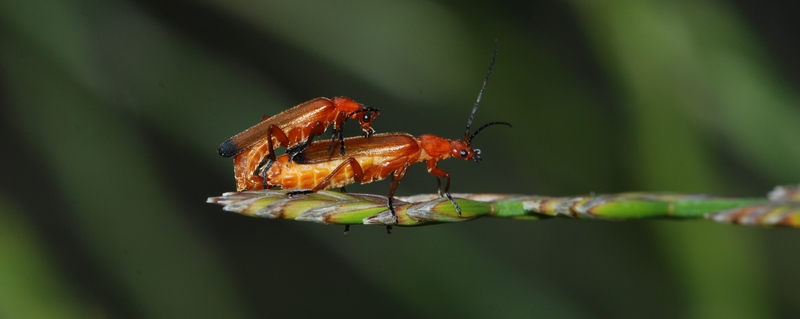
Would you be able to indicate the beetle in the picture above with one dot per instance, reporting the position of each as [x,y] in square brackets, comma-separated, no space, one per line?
[370,159]
[374,158]
[292,129]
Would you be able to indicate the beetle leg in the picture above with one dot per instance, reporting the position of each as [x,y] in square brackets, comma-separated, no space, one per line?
[333,140]
[341,138]
[297,149]
[358,174]
[338,133]
[431,166]
[272,131]
[302,192]
[278,134]
[262,170]
[346,229]
[396,178]
[440,173]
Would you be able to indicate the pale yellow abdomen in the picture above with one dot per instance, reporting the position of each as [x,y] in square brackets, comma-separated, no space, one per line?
[293,176]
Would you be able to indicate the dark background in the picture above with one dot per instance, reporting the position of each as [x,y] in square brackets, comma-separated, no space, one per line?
[112,112]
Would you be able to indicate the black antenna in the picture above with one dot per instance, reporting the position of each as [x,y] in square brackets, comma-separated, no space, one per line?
[480,94]
[483,127]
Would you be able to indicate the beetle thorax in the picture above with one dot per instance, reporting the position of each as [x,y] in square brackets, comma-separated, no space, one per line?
[344,104]
[434,147]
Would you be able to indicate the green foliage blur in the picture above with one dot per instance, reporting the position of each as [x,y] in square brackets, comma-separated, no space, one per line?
[112,112]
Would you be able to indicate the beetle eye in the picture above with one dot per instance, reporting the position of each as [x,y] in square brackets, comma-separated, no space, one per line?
[365,117]
[463,153]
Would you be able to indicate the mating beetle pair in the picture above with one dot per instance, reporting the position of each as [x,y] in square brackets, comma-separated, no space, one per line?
[313,165]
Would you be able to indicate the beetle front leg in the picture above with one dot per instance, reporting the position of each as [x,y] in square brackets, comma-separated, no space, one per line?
[338,134]
[440,173]
[341,138]
[333,141]
[430,165]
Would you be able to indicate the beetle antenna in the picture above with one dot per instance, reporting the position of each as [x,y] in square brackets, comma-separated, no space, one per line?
[480,94]
[469,140]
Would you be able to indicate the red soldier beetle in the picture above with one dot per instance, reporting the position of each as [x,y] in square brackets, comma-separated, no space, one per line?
[374,158]
[292,129]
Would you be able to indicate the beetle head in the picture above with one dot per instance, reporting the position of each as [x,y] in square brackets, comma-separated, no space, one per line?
[461,149]
[365,116]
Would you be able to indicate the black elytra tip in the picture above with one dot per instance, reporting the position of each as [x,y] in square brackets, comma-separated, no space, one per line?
[227,149]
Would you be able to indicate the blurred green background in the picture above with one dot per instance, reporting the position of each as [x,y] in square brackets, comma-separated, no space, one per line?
[112,112]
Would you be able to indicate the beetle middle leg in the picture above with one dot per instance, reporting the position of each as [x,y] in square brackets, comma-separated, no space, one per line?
[396,178]
[317,129]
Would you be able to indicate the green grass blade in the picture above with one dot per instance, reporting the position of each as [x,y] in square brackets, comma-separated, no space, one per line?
[330,207]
